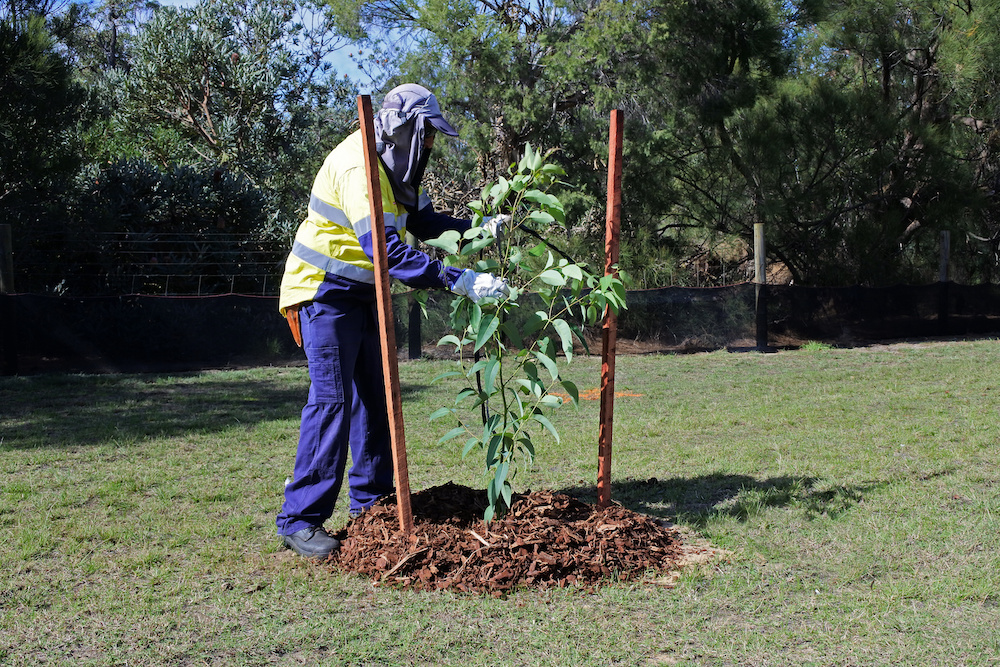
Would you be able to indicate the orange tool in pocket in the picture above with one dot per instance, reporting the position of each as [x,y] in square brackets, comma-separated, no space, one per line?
[292,315]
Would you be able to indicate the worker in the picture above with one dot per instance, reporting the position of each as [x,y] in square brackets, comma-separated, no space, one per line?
[328,295]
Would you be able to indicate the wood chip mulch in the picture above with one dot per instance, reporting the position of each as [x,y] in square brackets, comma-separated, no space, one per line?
[547,540]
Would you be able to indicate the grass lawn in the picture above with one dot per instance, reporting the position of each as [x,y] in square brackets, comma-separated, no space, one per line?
[857,493]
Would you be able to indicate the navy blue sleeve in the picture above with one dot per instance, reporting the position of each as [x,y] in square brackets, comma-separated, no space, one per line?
[429,224]
[411,266]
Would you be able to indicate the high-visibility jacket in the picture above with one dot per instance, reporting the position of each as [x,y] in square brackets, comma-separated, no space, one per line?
[333,246]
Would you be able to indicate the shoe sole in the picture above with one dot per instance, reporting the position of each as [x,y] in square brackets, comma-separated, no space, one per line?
[289,547]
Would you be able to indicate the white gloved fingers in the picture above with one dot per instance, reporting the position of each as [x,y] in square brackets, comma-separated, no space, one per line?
[464,285]
[487,285]
[496,225]
[478,286]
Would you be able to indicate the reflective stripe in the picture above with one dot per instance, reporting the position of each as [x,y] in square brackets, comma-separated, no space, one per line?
[332,265]
[423,201]
[329,211]
[362,226]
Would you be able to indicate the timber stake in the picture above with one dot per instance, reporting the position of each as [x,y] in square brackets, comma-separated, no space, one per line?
[609,332]
[386,323]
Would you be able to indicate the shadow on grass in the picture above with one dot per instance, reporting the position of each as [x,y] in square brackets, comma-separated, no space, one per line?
[63,411]
[695,501]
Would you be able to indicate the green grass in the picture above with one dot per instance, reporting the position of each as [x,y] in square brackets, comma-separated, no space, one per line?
[856,491]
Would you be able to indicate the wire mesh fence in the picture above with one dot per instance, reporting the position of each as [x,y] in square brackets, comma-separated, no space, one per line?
[143,301]
[145,263]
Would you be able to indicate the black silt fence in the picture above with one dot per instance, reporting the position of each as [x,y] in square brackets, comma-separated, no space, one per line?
[136,333]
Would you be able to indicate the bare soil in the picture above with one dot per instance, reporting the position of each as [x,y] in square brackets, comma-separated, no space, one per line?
[547,540]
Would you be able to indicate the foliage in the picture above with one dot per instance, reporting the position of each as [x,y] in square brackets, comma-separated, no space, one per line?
[243,84]
[856,130]
[38,101]
[132,218]
[512,359]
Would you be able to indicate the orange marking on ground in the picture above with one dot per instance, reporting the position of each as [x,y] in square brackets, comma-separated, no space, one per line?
[593,394]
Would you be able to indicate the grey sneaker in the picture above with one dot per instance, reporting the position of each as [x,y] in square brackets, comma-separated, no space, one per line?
[311,542]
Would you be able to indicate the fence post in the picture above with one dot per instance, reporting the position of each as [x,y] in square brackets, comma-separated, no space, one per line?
[943,295]
[8,322]
[760,284]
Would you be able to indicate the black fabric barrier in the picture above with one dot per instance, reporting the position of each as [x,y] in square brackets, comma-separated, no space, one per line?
[137,333]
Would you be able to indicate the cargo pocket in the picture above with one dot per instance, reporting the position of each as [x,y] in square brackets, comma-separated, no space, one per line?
[324,372]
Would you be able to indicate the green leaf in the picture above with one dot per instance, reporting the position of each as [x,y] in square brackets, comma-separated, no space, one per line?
[470,444]
[453,433]
[494,446]
[447,242]
[557,213]
[537,250]
[552,277]
[535,322]
[451,339]
[506,491]
[550,401]
[440,412]
[487,266]
[513,334]
[619,290]
[527,446]
[549,363]
[517,400]
[573,271]
[572,390]
[532,386]
[540,197]
[565,336]
[500,191]
[478,367]
[490,376]
[492,494]
[527,160]
[486,329]
[468,392]
[475,317]
[447,374]
[544,421]
[541,217]
[476,246]
[547,347]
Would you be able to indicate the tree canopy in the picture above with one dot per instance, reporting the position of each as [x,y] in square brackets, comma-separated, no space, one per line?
[855,130]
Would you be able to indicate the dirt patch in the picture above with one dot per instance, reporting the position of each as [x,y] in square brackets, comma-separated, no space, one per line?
[547,540]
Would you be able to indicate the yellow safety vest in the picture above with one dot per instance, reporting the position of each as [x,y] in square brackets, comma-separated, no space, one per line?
[339,213]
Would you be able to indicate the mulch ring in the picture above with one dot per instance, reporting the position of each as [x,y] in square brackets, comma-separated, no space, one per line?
[547,540]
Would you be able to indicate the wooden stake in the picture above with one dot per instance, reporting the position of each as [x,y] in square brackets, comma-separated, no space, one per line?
[609,332]
[386,323]
[760,285]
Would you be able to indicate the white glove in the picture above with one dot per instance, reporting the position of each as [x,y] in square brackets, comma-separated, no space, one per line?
[495,225]
[478,286]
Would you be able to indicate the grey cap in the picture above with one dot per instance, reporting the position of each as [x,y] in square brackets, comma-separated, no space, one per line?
[411,98]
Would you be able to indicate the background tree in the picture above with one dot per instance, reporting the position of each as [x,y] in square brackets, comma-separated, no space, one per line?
[550,72]
[242,85]
[38,106]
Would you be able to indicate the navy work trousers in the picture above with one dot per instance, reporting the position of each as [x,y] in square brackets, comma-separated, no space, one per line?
[346,408]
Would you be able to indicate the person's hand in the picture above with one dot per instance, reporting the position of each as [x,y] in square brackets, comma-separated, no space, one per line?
[478,286]
[496,225]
